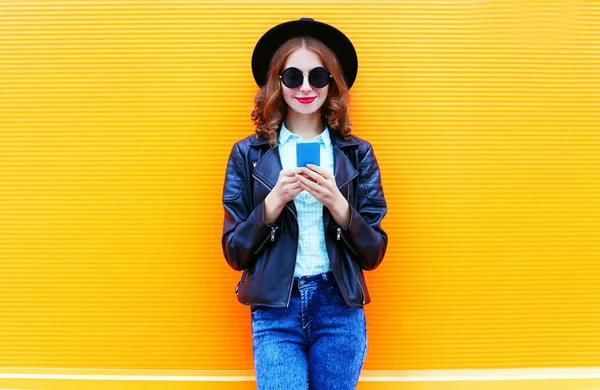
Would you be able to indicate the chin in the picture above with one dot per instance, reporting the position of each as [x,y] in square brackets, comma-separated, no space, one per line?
[306,109]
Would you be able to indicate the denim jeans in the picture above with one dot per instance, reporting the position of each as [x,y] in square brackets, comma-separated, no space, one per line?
[318,342]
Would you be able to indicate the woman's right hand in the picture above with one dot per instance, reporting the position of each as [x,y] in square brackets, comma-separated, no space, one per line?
[287,186]
[286,189]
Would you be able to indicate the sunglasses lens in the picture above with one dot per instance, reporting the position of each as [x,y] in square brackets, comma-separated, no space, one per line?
[319,77]
[292,77]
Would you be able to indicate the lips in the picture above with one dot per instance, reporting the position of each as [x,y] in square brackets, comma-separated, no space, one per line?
[306,100]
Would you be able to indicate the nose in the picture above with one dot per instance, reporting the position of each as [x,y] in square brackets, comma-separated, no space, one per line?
[305,87]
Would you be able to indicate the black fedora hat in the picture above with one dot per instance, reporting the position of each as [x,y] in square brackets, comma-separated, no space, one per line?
[339,43]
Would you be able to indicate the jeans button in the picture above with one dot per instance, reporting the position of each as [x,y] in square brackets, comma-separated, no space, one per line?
[301,283]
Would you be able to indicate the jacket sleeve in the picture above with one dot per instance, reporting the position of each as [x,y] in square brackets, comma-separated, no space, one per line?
[364,233]
[244,230]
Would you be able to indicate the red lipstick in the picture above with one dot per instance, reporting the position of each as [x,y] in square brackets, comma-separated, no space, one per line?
[306,100]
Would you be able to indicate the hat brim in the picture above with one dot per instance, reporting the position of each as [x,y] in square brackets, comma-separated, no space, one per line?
[337,41]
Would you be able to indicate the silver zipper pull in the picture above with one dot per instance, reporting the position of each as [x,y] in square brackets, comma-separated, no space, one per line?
[339,230]
[272,234]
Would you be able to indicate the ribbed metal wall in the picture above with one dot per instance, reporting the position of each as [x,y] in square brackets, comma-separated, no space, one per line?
[116,120]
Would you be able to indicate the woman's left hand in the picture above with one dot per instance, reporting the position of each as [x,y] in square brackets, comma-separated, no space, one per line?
[321,184]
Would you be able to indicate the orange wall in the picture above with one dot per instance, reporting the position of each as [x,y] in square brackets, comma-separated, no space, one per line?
[116,120]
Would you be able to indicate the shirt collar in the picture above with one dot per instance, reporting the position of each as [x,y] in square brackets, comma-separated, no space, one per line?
[285,134]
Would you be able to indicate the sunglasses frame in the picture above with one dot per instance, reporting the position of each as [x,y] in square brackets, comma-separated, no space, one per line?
[306,74]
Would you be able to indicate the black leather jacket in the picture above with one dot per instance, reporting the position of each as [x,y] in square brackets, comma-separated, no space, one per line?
[266,253]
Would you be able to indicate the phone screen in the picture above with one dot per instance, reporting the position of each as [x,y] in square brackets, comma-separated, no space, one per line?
[308,153]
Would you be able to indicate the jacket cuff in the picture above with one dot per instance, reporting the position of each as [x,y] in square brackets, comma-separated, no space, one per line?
[269,228]
[249,238]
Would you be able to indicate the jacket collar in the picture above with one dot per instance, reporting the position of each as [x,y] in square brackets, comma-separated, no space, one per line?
[285,134]
[336,140]
[268,168]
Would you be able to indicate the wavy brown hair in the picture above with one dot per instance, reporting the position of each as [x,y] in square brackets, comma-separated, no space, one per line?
[270,107]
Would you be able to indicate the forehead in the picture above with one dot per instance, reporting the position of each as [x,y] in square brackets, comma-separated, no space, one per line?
[303,59]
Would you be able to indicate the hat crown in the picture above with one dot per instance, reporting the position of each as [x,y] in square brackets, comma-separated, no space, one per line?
[336,40]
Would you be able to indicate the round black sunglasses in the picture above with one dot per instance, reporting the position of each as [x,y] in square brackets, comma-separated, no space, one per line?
[317,77]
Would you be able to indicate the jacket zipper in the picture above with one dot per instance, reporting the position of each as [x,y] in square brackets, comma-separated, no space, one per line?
[339,230]
[361,288]
[270,189]
[295,250]
[272,235]
[339,234]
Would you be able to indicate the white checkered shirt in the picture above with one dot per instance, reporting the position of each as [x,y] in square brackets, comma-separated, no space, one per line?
[312,257]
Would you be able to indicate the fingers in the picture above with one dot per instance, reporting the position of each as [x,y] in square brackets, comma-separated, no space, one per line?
[290,171]
[322,171]
[317,178]
[308,183]
[290,183]
[288,179]
[294,186]
[292,176]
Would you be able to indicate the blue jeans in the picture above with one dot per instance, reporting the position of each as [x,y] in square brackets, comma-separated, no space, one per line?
[318,342]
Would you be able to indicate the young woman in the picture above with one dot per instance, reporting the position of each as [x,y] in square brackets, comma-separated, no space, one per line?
[303,235]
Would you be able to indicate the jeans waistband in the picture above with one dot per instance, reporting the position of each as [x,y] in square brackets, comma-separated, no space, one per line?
[323,279]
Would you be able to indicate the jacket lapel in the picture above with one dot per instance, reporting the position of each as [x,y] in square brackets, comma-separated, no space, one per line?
[269,166]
